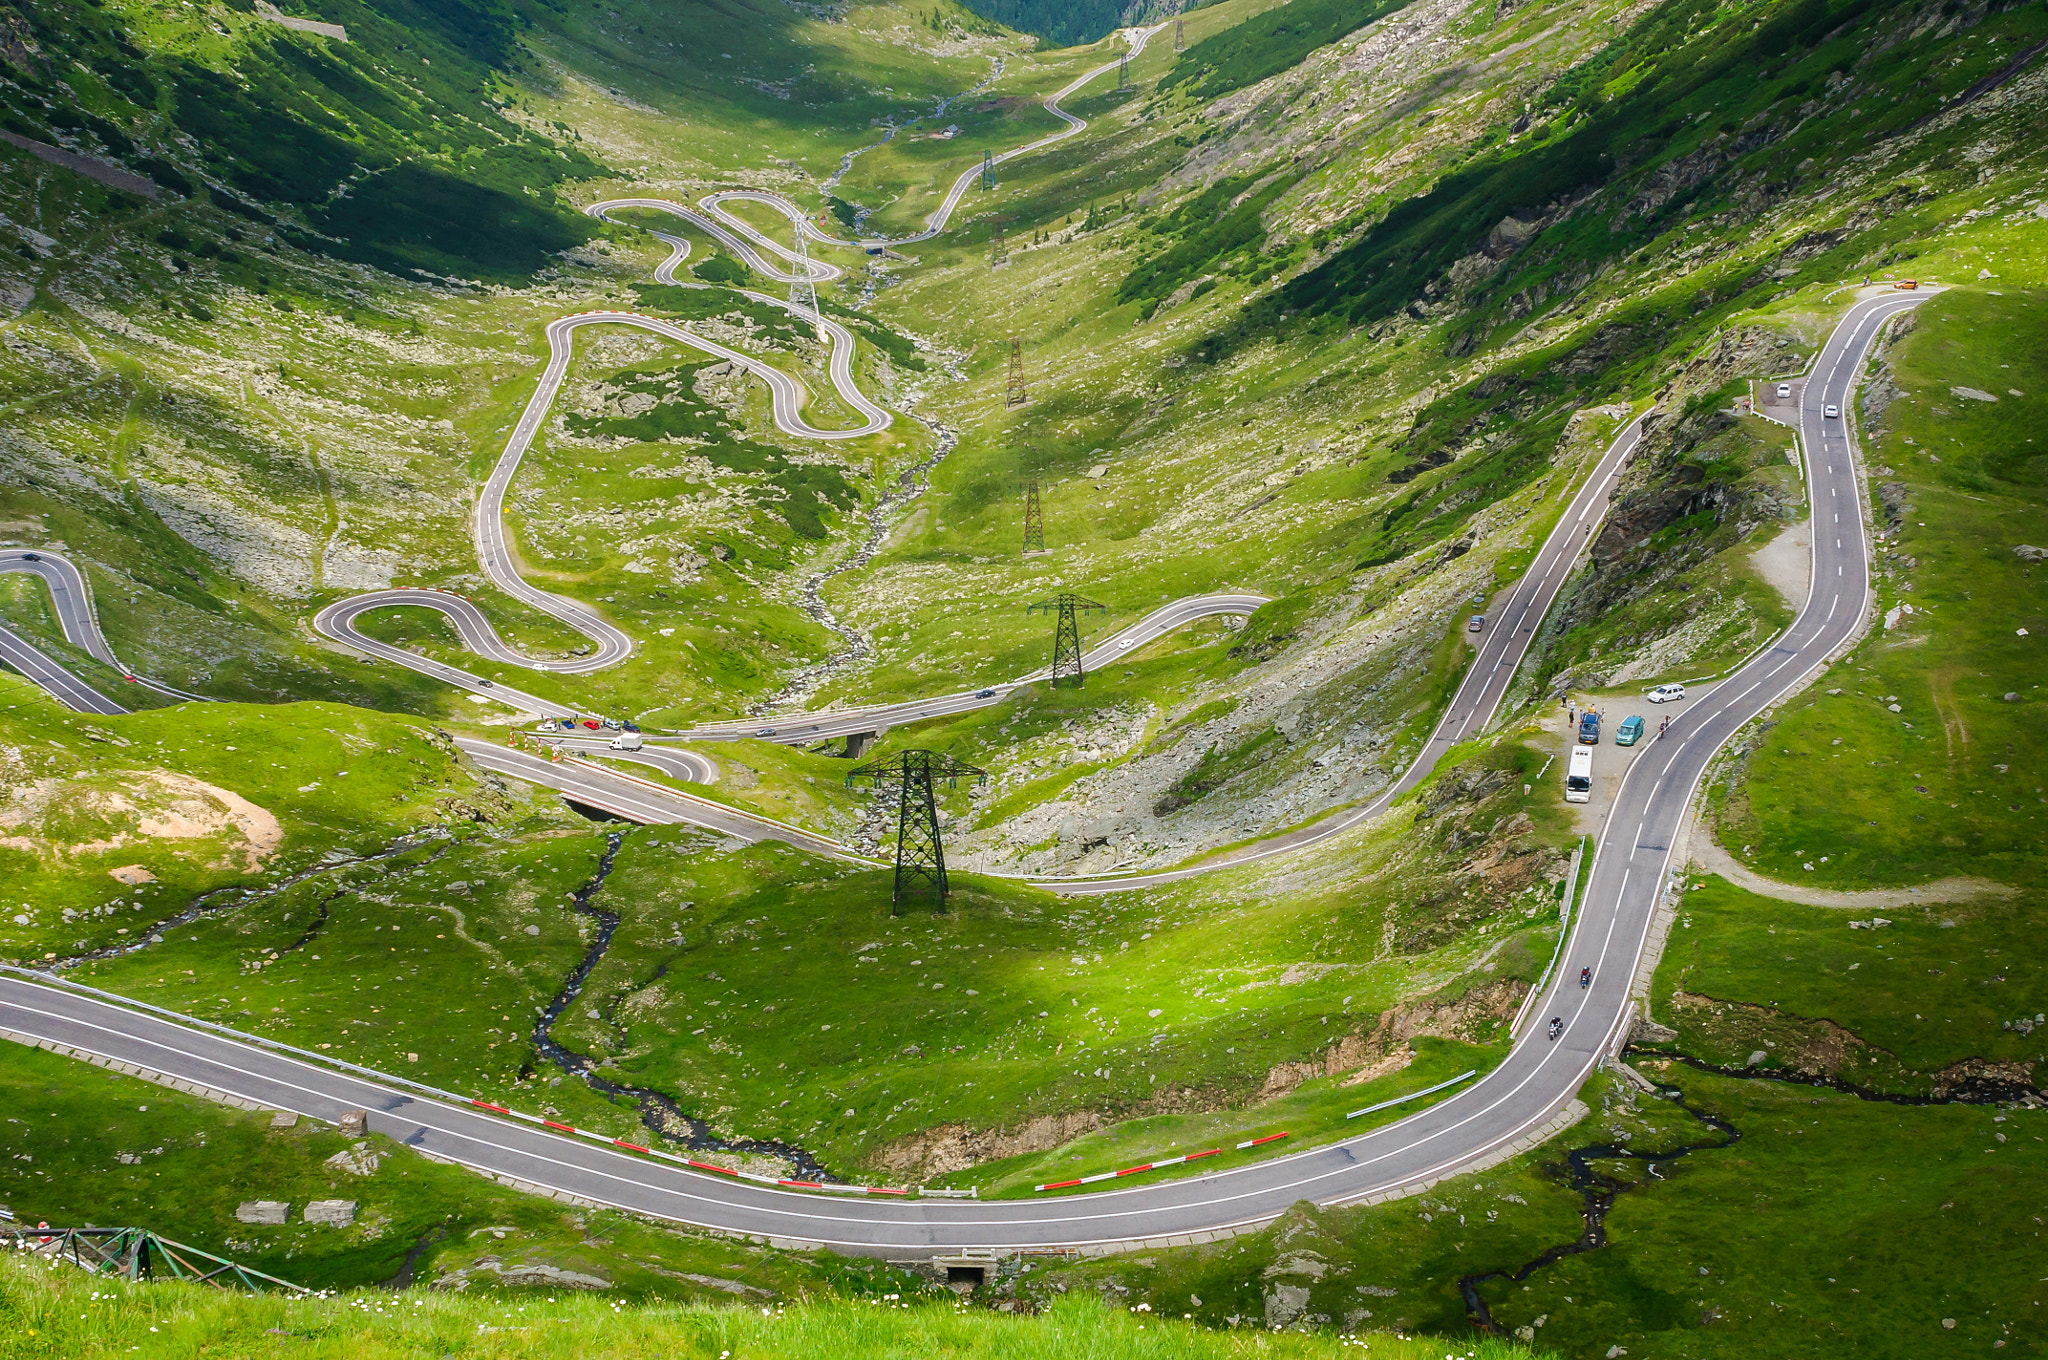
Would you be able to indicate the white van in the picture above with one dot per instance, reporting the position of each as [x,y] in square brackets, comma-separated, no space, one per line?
[1578,776]
[626,741]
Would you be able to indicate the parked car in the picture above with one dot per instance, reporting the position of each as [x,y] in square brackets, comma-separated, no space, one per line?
[1477,625]
[1630,732]
[1578,778]
[1589,729]
[1667,694]
[1831,411]
[1784,390]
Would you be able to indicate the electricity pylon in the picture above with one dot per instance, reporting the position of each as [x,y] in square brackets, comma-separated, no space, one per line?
[803,292]
[1034,522]
[1123,74]
[1015,396]
[1180,40]
[138,1254]
[998,252]
[988,170]
[909,782]
[1066,635]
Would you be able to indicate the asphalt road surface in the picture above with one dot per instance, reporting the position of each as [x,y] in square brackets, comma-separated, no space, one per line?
[801,729]
[679,764]
[611,644]
[644,801]
[1508,1108]
[71,599]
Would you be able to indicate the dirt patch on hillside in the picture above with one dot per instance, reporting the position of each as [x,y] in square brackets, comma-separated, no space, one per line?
[68,818]
[1817,1047]
[1786,562]
[955,1147]
[1357,1057]
[1360,1058]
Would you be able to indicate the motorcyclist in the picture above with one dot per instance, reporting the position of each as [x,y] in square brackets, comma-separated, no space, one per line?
[1585,977]
[1556,1025]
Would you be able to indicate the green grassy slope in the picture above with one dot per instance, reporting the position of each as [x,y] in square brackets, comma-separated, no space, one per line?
[1945,786]
[1807,1233]
[119,824]
[180,1320]
[770,996]
[91,1145]
[284,428]
[1346,336]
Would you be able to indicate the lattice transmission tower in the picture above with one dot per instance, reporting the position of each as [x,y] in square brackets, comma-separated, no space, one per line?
[988,170]
[1034,521]
[1066,635]
[998,249]
[1180,37]
[137,1254]
[907,785]
[1015,396]
[1123,74]
[803,291]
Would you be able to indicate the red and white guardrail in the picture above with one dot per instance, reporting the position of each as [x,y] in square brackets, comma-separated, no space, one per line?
[694,1165]
[1154,1166]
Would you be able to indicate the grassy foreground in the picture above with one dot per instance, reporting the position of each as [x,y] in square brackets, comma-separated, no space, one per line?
[47,1310]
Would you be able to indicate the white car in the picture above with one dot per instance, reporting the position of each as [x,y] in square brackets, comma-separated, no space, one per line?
[1667,694]
[1831,412]
[1784,390]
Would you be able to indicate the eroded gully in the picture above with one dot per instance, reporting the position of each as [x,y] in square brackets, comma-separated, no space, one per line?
[1597,1193]
[659,1113]
[911,483]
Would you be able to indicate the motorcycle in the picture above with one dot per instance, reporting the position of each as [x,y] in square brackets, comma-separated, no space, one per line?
[1556,1026]
[1585,977]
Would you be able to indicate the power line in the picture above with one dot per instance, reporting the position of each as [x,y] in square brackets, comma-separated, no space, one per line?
[1034,521]
[1066,635]
[803,291]
[907,784]
[1015,396]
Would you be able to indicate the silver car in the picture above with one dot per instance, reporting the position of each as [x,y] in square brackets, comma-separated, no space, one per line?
[1667,694]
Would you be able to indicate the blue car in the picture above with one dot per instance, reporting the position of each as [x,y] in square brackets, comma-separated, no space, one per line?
[1630,732]
[1589,729]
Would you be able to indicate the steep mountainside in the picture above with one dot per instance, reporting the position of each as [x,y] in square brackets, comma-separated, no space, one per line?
[1333,305]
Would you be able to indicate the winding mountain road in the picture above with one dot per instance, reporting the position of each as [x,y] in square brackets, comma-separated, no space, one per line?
[612,644]
[1529,1096]
[1514,1106]
[71,601]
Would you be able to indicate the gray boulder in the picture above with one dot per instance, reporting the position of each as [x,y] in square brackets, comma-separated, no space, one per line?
[336,1212]
[262,1211]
